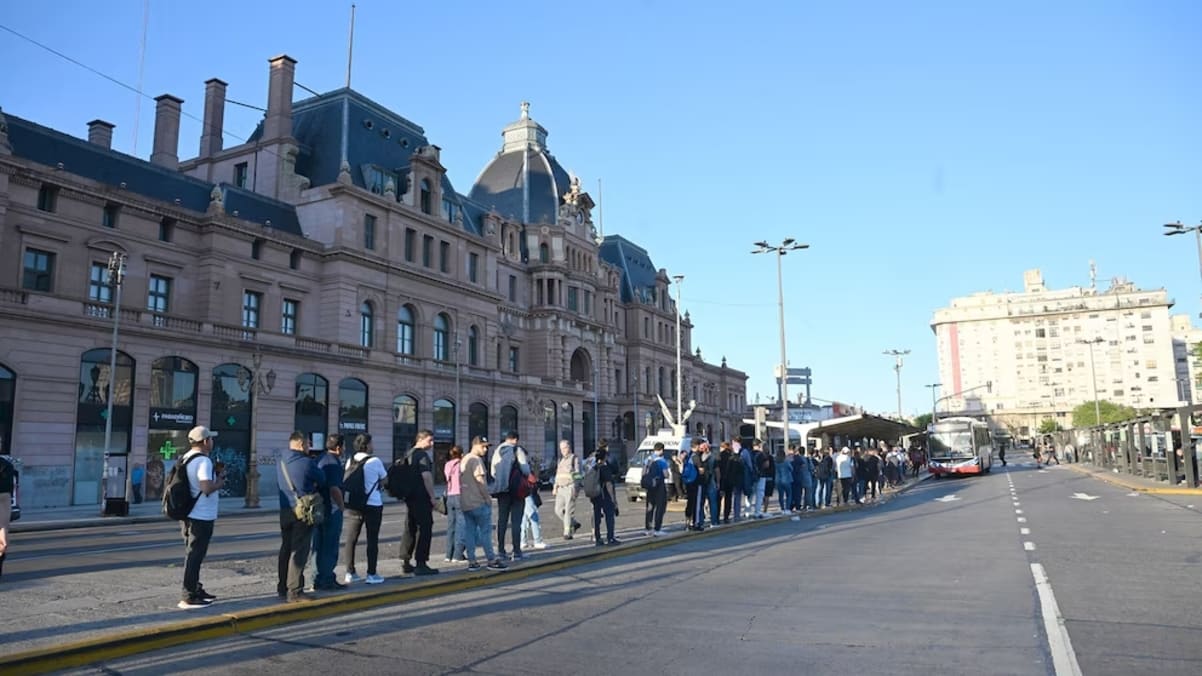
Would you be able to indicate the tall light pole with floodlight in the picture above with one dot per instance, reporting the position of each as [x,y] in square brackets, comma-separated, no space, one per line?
[933,387]
[788,244]
[897,366]
[116,276]
[678,281]
[1093,376]
[1179,229]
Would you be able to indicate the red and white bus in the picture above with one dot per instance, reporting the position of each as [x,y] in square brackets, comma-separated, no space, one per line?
[959,446]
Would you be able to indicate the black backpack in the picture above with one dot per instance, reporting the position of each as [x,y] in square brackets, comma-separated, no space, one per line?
[402,477]
[177,493]
[354,486]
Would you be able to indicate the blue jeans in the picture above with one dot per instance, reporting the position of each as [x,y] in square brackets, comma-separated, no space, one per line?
[530,522]
[712,498]
[808,497]
[784,496]
[477,529]
[325,548]
[827,489]
[454,528]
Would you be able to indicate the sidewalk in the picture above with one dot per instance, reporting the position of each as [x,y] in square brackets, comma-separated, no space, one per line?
[1130,482]
[87,516]
[65,611]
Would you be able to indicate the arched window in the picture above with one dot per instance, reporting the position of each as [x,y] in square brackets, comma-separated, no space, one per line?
[580,369]
[567,430]
[442,330]
[367,325]
[477,420]
[230,416]
[352,407]
[550,429]
[426,196]
[544,254]
[404,330]
[661,381]
[509,420]
[473,346]
[95,375]
[310,411]
[404,424]
[8,391]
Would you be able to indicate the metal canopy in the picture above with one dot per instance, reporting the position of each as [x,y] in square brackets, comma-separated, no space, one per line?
[852,426]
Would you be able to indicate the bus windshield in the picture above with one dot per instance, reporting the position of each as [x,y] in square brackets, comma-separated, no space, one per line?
[952,444]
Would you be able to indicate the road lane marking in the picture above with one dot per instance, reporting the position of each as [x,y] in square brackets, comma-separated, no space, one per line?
[1029,546]
[1064,660]
[1018,511]
[1024,531]
[1017,503]
[1022,519]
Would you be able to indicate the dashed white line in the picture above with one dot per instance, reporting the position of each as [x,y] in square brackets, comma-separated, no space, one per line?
[1022,519]
[1064,660]
[1024,531]
[1018,511]
[1029,546]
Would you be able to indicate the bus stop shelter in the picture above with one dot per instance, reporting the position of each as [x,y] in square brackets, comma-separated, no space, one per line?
[863,428]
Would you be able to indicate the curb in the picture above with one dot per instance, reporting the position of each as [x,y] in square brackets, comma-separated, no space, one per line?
[1118,480]
[132,642]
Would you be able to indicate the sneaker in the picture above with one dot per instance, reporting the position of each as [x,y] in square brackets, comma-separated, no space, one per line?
[194,602]
[497,564]
[659,533]
[613,541]
[540,545]
[472,566]
[517,556]
[600,543]
[423,569]
[205,595]
[374,579]
[298,598]
[352,578]
[567,536]
[332,586]
[648,532]
[407,567]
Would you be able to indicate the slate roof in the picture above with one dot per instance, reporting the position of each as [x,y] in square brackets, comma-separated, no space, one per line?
[376,137]
[499,186]
[638,272]
[33,142]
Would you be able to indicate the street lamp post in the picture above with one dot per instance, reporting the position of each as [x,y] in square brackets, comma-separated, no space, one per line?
[634,424]
[458,393]
[933,387]
[1179,229]
[116,276]
[1093,376]
[259,384]
[678,280]
[786,245]
[897,366]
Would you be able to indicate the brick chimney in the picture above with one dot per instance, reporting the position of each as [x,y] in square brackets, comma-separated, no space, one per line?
[279,98]
[166,131]
[101,133]
[214,118]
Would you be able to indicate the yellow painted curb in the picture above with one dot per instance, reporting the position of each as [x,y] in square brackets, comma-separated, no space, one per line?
[1119,480]
[132,642]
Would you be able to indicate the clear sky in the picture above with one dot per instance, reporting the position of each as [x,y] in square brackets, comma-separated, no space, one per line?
[923,150]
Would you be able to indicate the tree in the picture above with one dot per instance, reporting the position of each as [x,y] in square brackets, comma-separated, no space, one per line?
[922,421]
[1048,426]
[1084,416]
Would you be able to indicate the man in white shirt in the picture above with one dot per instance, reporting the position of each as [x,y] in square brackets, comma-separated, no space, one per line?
[197,528]
[845,468]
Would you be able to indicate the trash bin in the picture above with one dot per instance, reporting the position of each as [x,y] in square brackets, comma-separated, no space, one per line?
[116,507]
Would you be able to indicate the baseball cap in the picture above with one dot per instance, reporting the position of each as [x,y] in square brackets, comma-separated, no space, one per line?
[200,433]
[480,440]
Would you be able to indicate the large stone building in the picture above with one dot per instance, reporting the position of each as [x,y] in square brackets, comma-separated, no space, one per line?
[323,276]
[1045,351]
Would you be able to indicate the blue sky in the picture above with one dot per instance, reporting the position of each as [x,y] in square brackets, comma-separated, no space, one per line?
[924,152]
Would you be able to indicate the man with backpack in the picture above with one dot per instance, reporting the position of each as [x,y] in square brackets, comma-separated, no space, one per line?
[419,506]
[197,527]
[361,484]
[297,475]
[508,469]
[655,481]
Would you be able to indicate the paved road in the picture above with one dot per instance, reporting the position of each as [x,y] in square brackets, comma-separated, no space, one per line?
[938,581]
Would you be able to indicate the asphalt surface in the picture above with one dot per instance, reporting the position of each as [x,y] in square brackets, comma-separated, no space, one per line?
[936,581]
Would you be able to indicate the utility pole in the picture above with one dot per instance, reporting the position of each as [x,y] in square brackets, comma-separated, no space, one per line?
[1097,409]
[897,366]
[786,245]
[678,281]
[933,387]
[116,276]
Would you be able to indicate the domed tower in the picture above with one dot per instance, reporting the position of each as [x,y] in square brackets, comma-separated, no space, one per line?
[524,182]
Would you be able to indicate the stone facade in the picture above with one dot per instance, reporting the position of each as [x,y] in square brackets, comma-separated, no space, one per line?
[414,293]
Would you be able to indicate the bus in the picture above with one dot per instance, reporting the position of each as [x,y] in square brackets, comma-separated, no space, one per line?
[959,446]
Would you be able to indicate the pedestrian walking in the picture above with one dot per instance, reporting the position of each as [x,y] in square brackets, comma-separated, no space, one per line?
[532,527]
[197,529]
[566,483]
[370,513]
[451,472]
[418,531]
[297,475]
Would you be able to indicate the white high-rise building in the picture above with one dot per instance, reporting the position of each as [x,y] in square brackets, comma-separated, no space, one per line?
[1044,352]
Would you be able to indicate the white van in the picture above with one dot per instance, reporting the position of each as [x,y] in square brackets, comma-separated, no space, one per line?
[634,472]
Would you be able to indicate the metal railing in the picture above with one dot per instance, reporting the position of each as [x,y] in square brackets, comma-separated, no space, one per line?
[1159,447]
